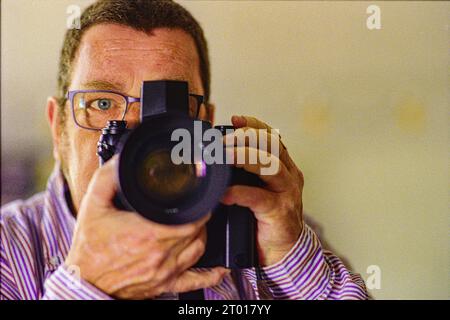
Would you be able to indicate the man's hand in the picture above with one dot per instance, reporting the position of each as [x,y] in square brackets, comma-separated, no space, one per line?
[129,257]
[277,206]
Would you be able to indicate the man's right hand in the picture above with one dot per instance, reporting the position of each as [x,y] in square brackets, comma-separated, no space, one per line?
[130,257]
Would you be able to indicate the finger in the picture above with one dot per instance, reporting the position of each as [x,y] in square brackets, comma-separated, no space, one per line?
[252,122]
[271,170]
[262,139]
[145,274]
[246,121]
[238,121]
[258,200]
[151,285]
[167,232]
[191,280]
[135,292]
[255,137]
[190,254]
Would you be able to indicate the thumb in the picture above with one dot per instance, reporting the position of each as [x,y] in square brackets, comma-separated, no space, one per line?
[103,185]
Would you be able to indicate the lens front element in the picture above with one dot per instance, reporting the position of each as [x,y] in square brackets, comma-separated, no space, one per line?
[163,180]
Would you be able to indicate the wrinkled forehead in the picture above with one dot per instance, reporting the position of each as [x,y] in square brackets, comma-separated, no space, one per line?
[125,57]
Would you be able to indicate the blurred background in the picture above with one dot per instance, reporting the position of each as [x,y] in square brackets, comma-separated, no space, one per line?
[364,113]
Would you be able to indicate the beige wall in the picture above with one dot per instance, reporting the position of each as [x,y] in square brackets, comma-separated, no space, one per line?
[363,113]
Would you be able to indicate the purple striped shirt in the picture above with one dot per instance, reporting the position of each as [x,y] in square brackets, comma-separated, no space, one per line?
[35,237]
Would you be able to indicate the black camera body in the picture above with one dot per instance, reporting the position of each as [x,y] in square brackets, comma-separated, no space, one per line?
[152,185]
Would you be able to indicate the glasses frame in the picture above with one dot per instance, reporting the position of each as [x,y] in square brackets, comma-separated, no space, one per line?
[129,99]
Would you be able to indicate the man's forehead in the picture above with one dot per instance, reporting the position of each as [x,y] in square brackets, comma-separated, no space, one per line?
[118,40]
[111,54]
[120,31]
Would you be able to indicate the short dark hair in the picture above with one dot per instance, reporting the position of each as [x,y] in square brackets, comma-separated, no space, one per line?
[141,15]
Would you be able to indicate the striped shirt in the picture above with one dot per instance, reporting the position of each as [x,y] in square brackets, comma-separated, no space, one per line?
[35,237]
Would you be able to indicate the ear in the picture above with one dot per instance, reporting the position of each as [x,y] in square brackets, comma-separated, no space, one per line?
[54,121]
[207,112]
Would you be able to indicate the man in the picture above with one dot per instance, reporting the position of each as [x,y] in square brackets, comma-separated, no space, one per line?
[70,242]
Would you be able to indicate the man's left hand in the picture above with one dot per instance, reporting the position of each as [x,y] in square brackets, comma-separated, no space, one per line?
[278,205]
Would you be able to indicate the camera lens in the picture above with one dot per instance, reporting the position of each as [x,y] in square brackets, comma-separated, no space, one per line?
[160,178]
[154,185]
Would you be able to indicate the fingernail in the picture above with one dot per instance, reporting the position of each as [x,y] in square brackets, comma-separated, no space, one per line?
[240,119]
[235,118]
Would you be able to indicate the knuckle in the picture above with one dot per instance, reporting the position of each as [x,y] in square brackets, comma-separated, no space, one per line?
[218,277]
[229,193]
[159,232]
[287,205]
[296,192]
[150,274]
[214,279]
[157,256]
[189,229]
[200,248]
[300,177]
[164,274]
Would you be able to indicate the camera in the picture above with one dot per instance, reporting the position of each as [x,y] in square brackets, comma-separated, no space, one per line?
[165,191]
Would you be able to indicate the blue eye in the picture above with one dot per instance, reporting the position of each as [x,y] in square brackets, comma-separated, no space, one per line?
[103,104]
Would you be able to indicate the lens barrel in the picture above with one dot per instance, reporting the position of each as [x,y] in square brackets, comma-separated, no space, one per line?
[161,190]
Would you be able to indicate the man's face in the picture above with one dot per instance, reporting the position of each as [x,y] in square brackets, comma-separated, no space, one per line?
[119,58]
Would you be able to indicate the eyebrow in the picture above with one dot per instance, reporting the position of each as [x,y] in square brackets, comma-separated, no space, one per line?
[106,85]
[102,85]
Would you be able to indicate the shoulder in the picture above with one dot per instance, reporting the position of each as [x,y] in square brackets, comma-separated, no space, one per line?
[22,213]
[21,250]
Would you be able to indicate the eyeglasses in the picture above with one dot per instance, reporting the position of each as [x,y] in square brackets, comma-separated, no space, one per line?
[92,109]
